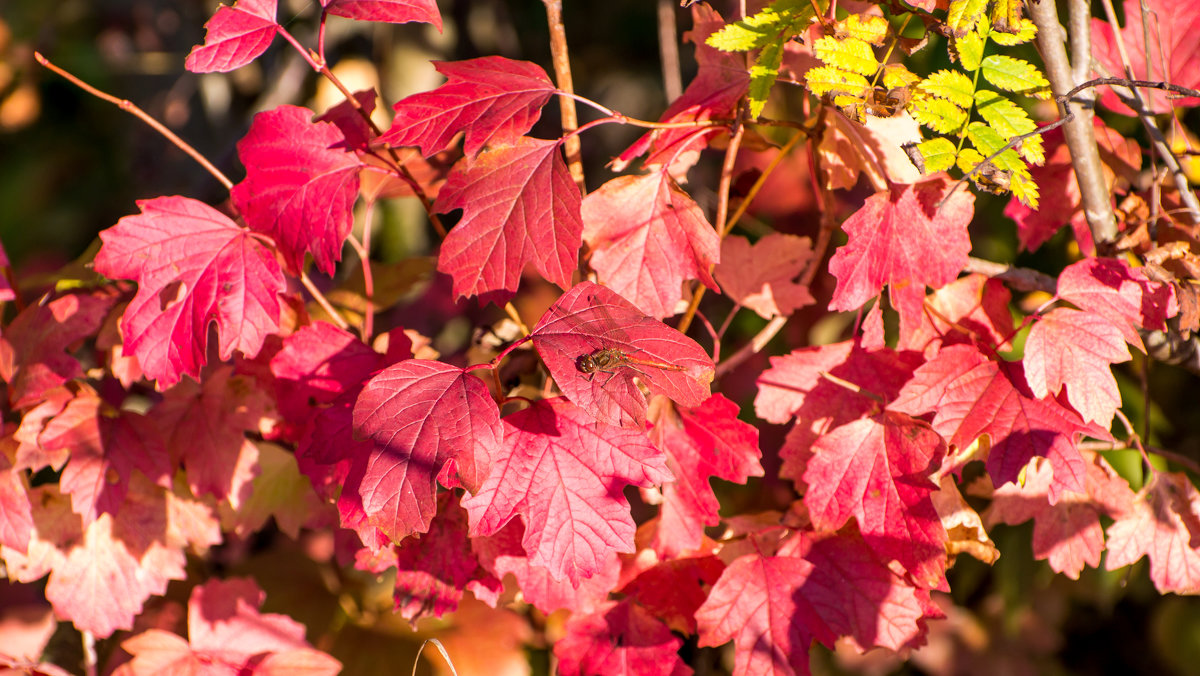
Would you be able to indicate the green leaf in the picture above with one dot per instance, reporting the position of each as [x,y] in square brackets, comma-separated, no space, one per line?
[939,115]
[1010,120]
[1013,75]
[987,141]
[850,54]
[951,85]
[963,16]
[824,80]
[763,74]
[765,27]
[938,153]
[970,50]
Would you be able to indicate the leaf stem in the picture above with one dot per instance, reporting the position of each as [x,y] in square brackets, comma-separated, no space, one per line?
[324,302]
[129,107]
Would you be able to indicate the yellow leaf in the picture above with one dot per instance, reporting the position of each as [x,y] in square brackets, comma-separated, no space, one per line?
[896,75]
[939,154]
[872,29]
[1009,120]
[850,54]
[969,49]
[1026,31]
[1014,75]
[963,16]
[951,85]
[1006,16]
[939,115]
[824,80]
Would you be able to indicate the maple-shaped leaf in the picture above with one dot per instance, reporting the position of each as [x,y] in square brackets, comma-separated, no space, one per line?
[502,553]
[971,396]
[419,414]
[16,513]
[720,83]
[563,474]
[761,276]
[700,443]
[492,99]
[1071,348]
[647,237]
[105,447]
[1163,524]
[279,491]
[206,426]
[235,36]
[519,206]
[194,267]
[228,634]
[673,590]
[388,11]
[1122,294]
[590,323]
[901,238]
[432,571]
[1173,54]
[1066,535]
[619,637]
[972,308]
[300,187]
[33,357]
[878,470]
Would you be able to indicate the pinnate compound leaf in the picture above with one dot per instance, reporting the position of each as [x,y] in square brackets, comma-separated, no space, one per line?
[1173,47]
[940,115]
[1014,75]
[493,99]
[419,414]
[519,206]
[877,470]
[1111,288]
[761,276]
[300,187]
[619,637]
[971,396]
[900,237]
[563,475]
[647,237]
[1009,120]
[849,54]
[700,443]
[831,80]
[952,85]
[387,11]
[1163,524]
[591,317]
[235,36]
[1066,535]
[938,153]
[193,267]
[963,15]
[1075,349]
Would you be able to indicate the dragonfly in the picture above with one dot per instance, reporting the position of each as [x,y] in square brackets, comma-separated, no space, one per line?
[609,358]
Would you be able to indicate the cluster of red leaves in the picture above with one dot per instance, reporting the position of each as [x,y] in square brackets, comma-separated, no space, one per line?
[414,459]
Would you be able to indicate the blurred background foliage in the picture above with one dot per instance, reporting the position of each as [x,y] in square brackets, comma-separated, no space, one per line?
[72,165]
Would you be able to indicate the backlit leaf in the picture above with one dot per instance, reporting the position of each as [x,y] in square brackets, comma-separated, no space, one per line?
[830,80]
[951,85]
[939,154]
[939,115]
[1015,75]
[234,37]
[963,15]
[389,11]
[849,54]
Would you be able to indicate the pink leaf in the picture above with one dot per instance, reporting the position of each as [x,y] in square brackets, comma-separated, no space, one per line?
[590,318]
[618,638]
[971,396]
[235,36]
[1075,349]
[647,237]
[674,590]
[16,514]
[387,11]
[877,470]
[700,443]
[972,308]
[224,619]
[563,475]
[299,187]
[193,267]
[1109,287]
[492,99]
[761,276]
[519,206]
[901,238]
[1174,54]
[1163,524]
[419,414]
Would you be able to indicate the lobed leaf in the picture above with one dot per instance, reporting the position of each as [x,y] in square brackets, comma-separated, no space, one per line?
[234,37]
[387,11]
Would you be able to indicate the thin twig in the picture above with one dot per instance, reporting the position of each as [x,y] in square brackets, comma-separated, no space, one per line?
[668,50]
[562,75]
[334,315]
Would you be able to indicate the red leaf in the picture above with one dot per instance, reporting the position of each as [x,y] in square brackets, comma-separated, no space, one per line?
[878,471]
[1173,52]
[193,267]
[519,206]
[351,122]
[1067,535]
[1164,525]
[234,37]
[387,11]
[901,238]
[700,443]
[563,475]
[760,276]
[591,317]
[492,99]
[16,514]
[972,396]
[647,237]
[419,414]
[33,357]
[674,590]
[1073,348]
[299,187]
[971,308]
[618,638]
[1121,294]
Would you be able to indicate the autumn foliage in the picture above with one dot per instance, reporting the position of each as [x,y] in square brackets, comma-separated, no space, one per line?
[233,370]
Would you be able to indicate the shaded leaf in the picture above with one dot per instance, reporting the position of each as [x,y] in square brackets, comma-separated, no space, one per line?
[760,275]
[1075,349]
[1174,53]
[389,11]
[618,638]
[1111,288]
[1163,524]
